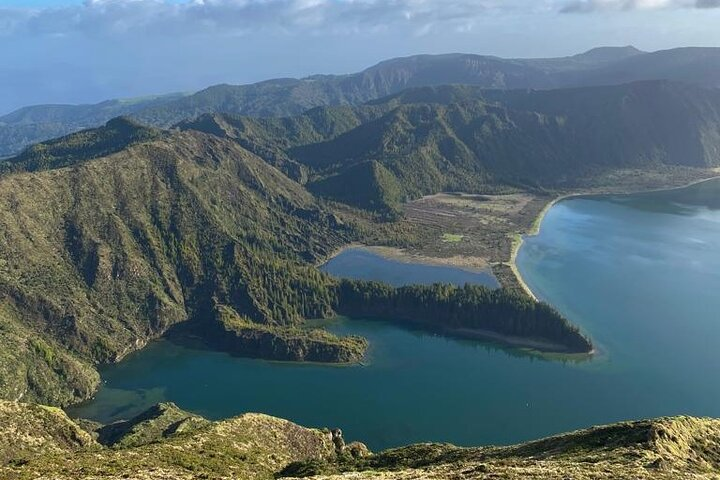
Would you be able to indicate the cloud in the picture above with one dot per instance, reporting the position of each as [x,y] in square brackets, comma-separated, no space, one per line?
[238,17]
[586,6]
[103,18]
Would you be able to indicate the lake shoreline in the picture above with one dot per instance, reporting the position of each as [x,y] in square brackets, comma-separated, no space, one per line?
[496,267]
[537,223]
[478,264]
[532,345]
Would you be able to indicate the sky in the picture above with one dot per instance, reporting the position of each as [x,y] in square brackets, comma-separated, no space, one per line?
[82,51]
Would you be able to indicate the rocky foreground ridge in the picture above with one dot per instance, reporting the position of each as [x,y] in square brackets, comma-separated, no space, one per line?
[166,442]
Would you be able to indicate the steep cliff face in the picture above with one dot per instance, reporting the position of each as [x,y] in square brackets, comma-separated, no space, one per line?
[166,442]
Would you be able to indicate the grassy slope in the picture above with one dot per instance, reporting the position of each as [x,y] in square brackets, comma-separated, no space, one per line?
[165,442]
[117,134]
[162,443]
[666,448]
[38,123]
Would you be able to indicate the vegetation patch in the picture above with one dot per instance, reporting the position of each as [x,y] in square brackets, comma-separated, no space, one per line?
[452,237]
[238,335]
[471,311]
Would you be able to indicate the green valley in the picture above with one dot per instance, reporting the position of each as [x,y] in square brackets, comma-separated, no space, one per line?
[114,235]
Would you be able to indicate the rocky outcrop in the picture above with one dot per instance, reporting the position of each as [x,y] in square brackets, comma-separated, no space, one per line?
[42,442]
[157,423]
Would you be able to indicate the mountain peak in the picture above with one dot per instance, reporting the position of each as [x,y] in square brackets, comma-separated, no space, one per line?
[117,134]
[607,54]
[124,122]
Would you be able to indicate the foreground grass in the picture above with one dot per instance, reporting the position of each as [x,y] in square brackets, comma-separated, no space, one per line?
[167,443]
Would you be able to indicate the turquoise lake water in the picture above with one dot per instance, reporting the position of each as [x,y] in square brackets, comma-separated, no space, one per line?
[640,274]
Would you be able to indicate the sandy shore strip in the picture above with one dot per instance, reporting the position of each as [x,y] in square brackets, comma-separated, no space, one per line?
[518,240]
[472,264]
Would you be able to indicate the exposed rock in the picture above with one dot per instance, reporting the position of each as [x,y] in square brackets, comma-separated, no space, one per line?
[357,450]
[338,441]
[160,421]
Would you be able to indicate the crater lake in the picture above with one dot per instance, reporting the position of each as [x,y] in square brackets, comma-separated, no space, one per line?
[638,273]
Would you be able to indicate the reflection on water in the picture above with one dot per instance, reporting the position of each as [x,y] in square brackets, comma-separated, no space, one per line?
[362,264]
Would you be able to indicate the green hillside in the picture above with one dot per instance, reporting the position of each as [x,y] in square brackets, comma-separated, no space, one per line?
[116,135]
[460,138]
[101,256]
[115,235]
[37,123]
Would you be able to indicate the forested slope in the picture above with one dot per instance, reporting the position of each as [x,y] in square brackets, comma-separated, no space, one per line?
[427,140]
[101,256]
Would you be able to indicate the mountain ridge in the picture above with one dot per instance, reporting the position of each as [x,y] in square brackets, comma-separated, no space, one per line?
[464,138]
[282,97]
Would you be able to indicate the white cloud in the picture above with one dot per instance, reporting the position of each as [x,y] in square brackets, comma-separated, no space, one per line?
[585,6]
[118,48]
[107,17]
[238,17]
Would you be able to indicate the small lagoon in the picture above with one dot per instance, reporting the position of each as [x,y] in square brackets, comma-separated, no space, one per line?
[363,264]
